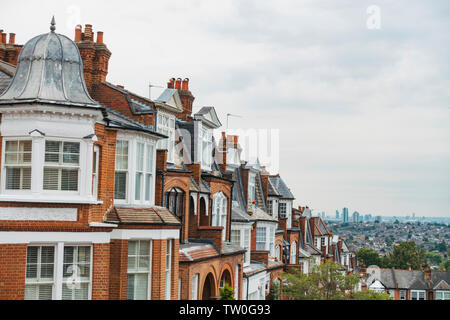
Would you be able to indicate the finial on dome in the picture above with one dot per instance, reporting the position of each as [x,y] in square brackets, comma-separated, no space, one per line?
[52,27]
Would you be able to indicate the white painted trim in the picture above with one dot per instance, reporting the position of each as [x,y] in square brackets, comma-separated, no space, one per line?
[38,214]
[20,237]
[102,225]
[156,234]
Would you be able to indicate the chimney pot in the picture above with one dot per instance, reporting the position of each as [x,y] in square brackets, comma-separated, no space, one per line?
[77,33]
[171,83]
[121,86]
[99,37]
[12,38]
[185,85]
[178,84]
[3,37]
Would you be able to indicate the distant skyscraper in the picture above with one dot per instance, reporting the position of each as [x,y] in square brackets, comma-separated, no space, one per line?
[378,218]
[355,216]
[337,214]
[345,214]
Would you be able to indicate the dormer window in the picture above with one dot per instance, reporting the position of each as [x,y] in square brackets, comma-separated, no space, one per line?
[18,165]
[166,126]
[251,187]
[206,143]
[61,166]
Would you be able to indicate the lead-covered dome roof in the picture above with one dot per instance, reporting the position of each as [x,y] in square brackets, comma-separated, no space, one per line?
[49,70]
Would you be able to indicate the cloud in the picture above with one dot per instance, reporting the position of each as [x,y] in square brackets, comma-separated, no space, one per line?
[363,114]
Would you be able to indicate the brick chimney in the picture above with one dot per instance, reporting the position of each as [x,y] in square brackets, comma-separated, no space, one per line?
[95,55]
[9,50]
[185,95]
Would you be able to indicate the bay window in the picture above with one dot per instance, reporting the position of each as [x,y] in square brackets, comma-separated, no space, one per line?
[261,238]
[62,160]
[18,164]
[121,173]
[443,295]
[272,242]
[134,171]
[139,270]
[174,199]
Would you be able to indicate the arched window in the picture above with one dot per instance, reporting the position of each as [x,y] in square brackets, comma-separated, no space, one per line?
[174,201]
[219,212]
[278,253]
[294,252]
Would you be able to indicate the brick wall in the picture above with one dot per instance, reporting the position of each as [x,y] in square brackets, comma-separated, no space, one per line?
[100,274]
[12,271]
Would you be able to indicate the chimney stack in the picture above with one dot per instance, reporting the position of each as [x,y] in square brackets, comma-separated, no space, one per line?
[12,38]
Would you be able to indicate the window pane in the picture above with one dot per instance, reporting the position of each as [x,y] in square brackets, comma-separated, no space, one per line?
[138,183]
[69,180]
[120,185]
[148,186]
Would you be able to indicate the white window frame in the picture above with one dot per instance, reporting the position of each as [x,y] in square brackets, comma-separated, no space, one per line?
[205,139]
[95,172]
[195,282]
[244,239]
[37,192]
[293,254]
[168,270]
[261,237]
[149,152]
[415,294]
[219,216]
[122,170]
[58,265]
[443,294]
[17,165]
[251,187]
[47,282]
[166,125]
[150,271]
[402,294]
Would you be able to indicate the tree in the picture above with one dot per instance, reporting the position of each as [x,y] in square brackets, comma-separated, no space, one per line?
[327,281]
[445,265]
[275,291]
[369,256]
[442,247]
[404,255]
[369,295]
[226,293]
[433,258]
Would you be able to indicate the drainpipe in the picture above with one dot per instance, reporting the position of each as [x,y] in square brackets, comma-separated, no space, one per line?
[163,175]
[231,209]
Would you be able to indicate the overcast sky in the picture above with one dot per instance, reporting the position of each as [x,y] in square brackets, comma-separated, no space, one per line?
[363,114]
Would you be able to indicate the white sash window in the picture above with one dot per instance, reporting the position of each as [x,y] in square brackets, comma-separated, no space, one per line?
[18,164]
[139,270]
[121,174]
[62,160]
[39,278]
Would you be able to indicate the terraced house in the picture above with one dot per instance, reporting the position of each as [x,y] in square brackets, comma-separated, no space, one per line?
[106,194]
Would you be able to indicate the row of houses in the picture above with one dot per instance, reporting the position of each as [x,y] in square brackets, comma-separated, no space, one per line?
[106,194]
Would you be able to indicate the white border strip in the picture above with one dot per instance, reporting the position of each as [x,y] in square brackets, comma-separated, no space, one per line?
[125,234]
[20,237]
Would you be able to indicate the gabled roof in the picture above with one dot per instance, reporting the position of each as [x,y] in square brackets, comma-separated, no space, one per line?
[261,215]
[281,187]
[170,99]
[150,215]
[209,117]
[272,191]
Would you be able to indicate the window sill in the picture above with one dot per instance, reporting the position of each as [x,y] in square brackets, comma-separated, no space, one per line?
[48,199]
